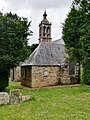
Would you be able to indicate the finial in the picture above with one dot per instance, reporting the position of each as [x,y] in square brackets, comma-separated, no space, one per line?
[45,11]
[45,14]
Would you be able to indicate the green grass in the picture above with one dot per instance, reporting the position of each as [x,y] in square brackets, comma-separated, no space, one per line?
[58,103]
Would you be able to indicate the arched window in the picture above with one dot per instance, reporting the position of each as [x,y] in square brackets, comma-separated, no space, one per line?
[25,74]
[48,31]
[44,30]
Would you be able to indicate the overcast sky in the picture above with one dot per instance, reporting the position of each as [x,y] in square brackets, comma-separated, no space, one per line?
[34,9]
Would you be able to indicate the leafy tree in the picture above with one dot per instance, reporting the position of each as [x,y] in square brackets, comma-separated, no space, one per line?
[13,42]
[85,40]
[71,34]
[76,34]
[33,47]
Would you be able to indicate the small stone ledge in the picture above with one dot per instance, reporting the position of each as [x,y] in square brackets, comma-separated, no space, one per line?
[13,98]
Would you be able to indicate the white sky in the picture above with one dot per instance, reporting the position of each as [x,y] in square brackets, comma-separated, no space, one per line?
[34,9]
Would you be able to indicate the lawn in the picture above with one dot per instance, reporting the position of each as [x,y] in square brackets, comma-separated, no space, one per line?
[56,103]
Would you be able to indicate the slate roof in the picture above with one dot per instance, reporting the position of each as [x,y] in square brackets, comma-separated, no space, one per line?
[47,54]
[59,41]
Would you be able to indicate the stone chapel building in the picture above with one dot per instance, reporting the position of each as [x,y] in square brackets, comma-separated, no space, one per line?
[48,65]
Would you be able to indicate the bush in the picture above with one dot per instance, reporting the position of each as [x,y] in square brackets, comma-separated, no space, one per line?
[86,73]
[3,80]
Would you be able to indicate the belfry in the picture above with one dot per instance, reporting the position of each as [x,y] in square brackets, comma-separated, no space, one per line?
[45,29]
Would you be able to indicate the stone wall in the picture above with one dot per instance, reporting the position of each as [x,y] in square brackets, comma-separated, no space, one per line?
[15,73]
[26,76]
[45,76]
[64,75]
[40,76]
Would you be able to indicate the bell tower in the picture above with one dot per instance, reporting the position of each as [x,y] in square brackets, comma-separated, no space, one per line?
[45,29]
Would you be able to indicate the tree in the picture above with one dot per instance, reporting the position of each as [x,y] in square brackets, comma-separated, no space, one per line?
[85,40]
[71,34]
[13,42]
[33,47]
[76,34]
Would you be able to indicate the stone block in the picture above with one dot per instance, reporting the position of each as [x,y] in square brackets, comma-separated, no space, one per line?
[15,96]
[25,98]
[4,98]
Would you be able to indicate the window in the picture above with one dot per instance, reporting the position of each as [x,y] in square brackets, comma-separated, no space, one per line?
[44,30]
[25,73]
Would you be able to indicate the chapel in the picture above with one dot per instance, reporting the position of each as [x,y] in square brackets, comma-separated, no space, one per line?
[48,65]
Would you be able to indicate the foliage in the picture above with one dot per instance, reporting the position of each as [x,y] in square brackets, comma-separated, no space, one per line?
[71,34]
[85,40]
[3,80]
[33,47]
[13,40]
[86,72]
[76,33]
[55,103]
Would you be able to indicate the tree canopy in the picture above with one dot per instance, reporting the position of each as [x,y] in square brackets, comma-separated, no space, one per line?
[14,31]
[13,40]
[76,34]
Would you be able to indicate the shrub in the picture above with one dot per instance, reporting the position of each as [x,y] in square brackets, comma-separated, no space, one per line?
[3,80]
[86,73]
